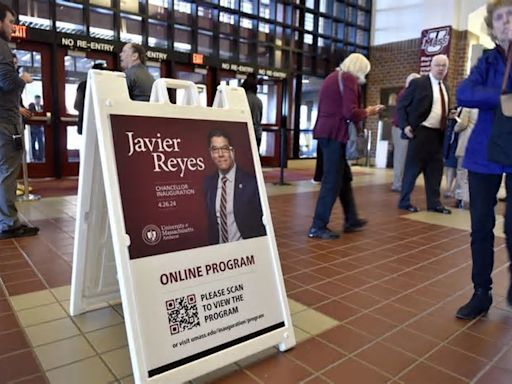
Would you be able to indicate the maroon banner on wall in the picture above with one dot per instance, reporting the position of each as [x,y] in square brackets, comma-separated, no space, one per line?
[165,173]
[434,41]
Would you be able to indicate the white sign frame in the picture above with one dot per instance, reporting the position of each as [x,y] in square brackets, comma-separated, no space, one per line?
[99,194]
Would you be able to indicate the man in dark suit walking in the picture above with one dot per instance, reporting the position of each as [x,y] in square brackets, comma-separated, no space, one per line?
[232,198]
[422,112]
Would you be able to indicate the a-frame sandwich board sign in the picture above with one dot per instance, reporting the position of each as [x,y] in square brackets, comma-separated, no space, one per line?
[196,262]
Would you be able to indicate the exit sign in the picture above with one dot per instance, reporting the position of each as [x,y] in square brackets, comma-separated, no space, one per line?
[197,58]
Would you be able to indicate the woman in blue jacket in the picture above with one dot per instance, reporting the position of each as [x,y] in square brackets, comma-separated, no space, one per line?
[482,90]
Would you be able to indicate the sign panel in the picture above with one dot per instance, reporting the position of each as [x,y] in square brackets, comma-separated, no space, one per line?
[434,41]
[196,256]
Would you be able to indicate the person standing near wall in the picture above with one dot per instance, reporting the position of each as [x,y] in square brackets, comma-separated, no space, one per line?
[250,85]
[11,147]
[399,143]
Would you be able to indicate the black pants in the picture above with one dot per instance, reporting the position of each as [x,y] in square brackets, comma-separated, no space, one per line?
[336,183]
[424,155]
[483,189]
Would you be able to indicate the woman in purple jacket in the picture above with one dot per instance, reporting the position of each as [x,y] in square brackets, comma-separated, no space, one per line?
[482,90]
[339,103]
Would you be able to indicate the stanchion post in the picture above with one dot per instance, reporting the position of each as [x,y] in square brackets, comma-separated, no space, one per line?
[282,151]
[26,196]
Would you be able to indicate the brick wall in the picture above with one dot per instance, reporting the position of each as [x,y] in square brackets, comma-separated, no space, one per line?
[392,63]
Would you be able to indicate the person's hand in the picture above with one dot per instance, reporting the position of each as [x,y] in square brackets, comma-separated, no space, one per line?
[374,109]
[408,132]
[452,114]
[25,113]
[26,77]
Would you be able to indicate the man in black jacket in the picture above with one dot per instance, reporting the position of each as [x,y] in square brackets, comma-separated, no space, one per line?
[422,112]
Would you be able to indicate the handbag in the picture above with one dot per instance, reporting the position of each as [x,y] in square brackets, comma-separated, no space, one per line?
[499,148]
[356,144]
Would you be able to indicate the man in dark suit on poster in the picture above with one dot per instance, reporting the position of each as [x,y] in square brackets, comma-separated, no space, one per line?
[422,113]
[231,194]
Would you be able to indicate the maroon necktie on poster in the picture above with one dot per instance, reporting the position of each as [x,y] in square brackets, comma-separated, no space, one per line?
[224,212]
[443,107]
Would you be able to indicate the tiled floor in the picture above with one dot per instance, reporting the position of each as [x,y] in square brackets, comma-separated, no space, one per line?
[372,307]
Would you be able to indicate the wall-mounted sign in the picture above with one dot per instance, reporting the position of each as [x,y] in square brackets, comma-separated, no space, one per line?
[434,41]
[237,67]
[75,43]
[20,32]
[271,73]
[247,69]
[197,58]
[156,55]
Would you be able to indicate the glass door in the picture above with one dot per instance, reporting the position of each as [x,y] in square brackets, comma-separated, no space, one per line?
[73,67]
[37,101]
[270,94]
[200,76]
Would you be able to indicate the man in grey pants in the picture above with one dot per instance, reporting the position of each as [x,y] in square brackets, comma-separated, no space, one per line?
[11,86]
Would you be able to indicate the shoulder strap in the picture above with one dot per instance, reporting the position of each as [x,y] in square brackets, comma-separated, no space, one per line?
[507,70]
[340,83]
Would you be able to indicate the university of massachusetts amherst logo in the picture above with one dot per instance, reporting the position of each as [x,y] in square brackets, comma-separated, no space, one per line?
[151,234]
[435,41]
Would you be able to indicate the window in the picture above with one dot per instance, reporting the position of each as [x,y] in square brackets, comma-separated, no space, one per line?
[205,17]
[233,4]
[267,9]
[205,42]
[246,28]
[35,13]
[182,39]
[70,17]
[102,3]
[227,23]
[183,12]
[324,26]
[130,5]
[309,22]
[226,48]
[157,34]
[249,6]
[101,23]
[131,29]
[158,9]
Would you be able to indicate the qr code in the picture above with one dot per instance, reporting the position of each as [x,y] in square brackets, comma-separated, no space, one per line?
[182,314]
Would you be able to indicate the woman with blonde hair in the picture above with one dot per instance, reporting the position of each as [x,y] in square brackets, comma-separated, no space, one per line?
[339,104]
[482,90]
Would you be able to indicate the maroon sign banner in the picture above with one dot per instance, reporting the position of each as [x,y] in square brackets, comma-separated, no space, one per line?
[434,41]
[169,177]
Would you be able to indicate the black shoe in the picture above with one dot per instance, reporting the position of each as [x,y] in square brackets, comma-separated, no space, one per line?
[355,226]
[410,208]
[509,295]
[19,231]
[322,233]
[478,305]
[441,209]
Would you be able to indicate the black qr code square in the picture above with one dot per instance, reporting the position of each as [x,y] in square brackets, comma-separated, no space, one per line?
[182,313]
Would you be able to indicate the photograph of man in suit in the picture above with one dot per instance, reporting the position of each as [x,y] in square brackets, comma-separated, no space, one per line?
[231,194]
[422,112]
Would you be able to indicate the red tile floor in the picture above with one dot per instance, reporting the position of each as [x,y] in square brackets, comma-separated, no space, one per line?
[391,289]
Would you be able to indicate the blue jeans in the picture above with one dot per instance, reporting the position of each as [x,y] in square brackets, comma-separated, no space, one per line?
[336,182]
[483,189]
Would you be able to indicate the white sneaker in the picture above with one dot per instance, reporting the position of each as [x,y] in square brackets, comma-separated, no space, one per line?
[313,181]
